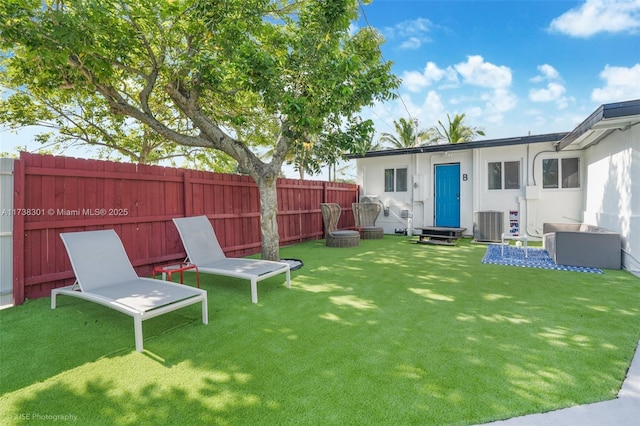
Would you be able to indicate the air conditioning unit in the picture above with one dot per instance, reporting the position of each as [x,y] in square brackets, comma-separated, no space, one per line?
[369,199]
[488,226]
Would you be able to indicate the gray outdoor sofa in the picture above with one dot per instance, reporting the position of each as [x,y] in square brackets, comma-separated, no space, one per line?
[579,244]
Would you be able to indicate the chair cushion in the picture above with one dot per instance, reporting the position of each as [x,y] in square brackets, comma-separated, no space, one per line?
[345,234]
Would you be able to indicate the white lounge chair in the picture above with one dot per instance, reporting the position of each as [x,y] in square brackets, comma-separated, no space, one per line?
[204,251]
[105,275]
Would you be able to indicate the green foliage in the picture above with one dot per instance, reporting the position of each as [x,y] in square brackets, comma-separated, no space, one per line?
[144,77]
[455,132]
[366,144]
[147,76]
[332,147]
[407,134]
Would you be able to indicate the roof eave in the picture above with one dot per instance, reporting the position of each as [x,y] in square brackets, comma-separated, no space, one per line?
[601,123]
[491,143]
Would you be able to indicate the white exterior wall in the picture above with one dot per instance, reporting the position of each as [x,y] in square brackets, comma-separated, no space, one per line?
[535,204]
[6,232]
[419,198]
[371,180]
[612,197]
[553,204]
[502,200]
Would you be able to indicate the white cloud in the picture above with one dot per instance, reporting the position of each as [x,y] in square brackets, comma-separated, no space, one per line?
[415,81]
[547,72]
[412,34]
[426,110]
[497,103]
[552,92]
[500,99]
[423,110]
[432,108]
[419,27]
[477,72]
[621,84]
[489,106]
[433,73]
[412,43]
[596,16]
[474,112]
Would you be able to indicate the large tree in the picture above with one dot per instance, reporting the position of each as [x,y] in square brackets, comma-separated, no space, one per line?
[456,131]
[203,73]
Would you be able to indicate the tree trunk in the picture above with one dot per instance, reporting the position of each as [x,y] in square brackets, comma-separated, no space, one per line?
[268,217]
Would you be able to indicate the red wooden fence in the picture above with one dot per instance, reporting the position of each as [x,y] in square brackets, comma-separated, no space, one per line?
[61,194]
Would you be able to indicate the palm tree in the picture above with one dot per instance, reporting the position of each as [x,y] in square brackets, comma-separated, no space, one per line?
[365,145]
[456,132]
[408,134]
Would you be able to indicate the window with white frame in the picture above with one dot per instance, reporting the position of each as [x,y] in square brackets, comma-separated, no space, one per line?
[561,173]
[504,175]
[395,180]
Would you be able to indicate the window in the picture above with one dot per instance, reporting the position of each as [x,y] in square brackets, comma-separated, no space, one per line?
[395,180]
[550,173]
[495,175]
[511,175]
[570,172]
[564,173]
[401,180]
[510,170]
[389,180]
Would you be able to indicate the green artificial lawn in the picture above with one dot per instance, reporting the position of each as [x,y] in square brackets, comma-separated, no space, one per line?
[390,332]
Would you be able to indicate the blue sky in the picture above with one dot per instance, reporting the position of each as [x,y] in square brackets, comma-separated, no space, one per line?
[513,67]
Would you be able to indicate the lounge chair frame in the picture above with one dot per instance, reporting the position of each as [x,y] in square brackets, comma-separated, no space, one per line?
[203,250]
[104,275]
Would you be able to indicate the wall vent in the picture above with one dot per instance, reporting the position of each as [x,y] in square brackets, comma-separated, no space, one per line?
[488,226]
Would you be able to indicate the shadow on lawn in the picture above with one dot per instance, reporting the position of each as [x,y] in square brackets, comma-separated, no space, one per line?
[101,402]
[429,335]
[47,342]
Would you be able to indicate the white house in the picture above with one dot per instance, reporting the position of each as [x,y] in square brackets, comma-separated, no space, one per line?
[590,175]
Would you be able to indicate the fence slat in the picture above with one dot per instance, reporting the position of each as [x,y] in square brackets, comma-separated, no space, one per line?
[139,201]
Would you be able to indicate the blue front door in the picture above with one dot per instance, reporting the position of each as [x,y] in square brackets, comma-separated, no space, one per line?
[447,195]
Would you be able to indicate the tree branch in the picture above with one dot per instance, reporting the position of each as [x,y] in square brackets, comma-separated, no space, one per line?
[120,105]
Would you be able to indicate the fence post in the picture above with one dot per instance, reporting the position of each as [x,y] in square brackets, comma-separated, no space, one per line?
[18,230]
[325,191]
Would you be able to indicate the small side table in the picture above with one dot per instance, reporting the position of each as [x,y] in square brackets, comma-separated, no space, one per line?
[522,238]
[167,270]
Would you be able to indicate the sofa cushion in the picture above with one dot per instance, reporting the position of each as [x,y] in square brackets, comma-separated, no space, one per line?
[592,228]
[549,227]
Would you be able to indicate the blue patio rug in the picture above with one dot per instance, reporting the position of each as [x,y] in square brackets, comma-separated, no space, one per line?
[537,258]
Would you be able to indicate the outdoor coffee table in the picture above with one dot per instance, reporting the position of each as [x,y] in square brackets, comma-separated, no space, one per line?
[515,237]
[167,270]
